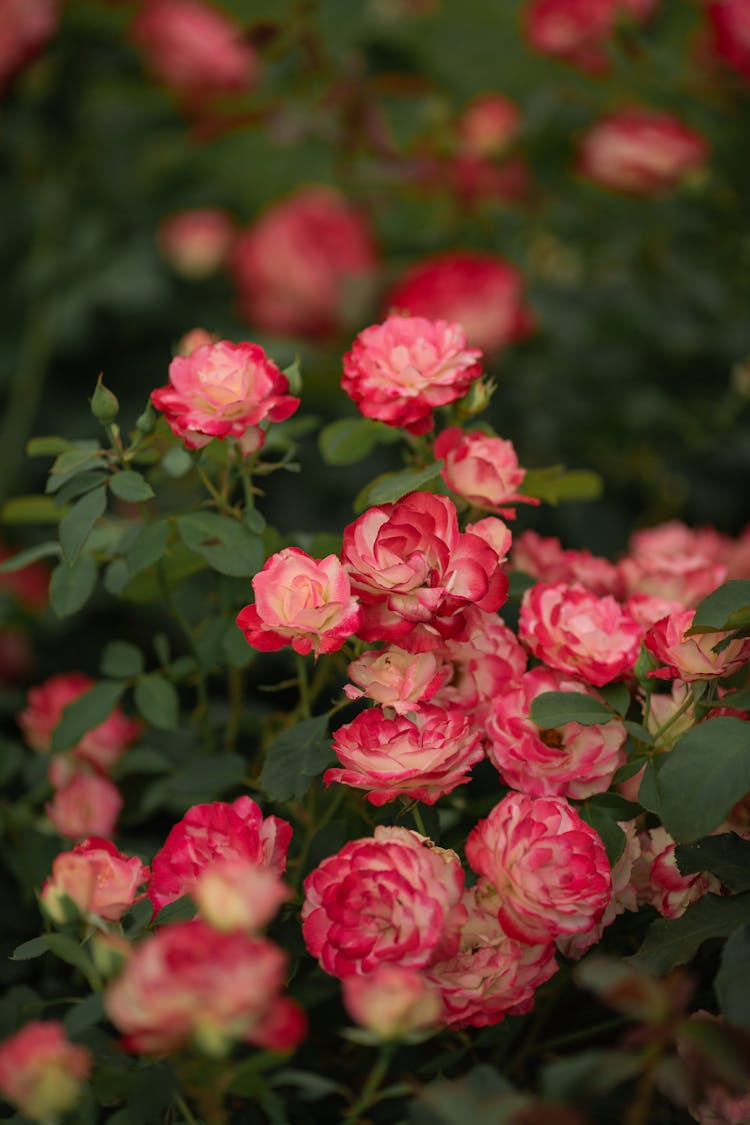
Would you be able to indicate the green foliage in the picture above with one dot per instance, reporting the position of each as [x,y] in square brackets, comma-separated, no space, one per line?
[295,758]
[674,941]
[85,713]
[227,545]
[157,701]
[392,486]
[348,440]
[555,708]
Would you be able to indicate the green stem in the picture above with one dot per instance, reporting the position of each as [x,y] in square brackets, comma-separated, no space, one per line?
[303,686]
[185,1110]
[219,500]
[684,706]
[418,820]
[371,1086]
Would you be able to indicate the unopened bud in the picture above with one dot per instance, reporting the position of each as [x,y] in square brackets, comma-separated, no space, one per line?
[104,405]
[477,399]
[146,421]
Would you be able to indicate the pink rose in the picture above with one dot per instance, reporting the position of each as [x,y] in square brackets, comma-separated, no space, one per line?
[578,31]
[568,761]
[487,125]
[549,868]
[482,469]
[29,585]
[693,658]
[675,563]
[393,897]
[486,659]
[640,151]
[495,533]
[97,877]
[196,242]
[101,746]
[235,894]
[215,831]
[194,48]
[397,372]
[729,20]
[573,630]
[303,602]
[422,757]
[395,678]
[546,559]
[223,390]
[41,1071]
[478,178]
[481,292]
[188,983]
[26,27]
[85,805]
[658,879]
[491,975]
[409,564]
[392,1001]
[296,265]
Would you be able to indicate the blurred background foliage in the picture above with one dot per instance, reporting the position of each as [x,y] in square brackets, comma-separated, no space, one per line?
[639,303]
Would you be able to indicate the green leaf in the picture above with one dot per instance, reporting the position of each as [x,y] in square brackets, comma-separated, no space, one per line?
[294,376]
[85,1014]
[555,708]
[721,608]
[148,546]
[121,660]
[616,696]
[348,440]
[674,941]
[157,701]
[130,486]
[731,980]
[198,778]
[605,825]
[77,524]
[181,910]
[30,509]
[46,446]
[71,586]
[70,951]
[31,554]
[176,462]
[392,486]
[73,460]
[727,856]
[78,485]
[85,713]
[28,950]
[226,545]
[294,758]
[701,778]
[555,484]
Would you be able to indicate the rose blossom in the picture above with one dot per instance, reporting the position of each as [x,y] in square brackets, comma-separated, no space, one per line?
[216,831]
[236,894]
[693,658]
[568,761]
[223,390]
[398,371]
[491,975]
[422,757]
[29,585]
[486,659]
[392,1001]
[303,602]
[26,27]
[578,31]
[640,151]
[85,805]
[674,562]
[658,879]
[549,867]
[409,564]
[572,630]
[395,678]
[545,558]
[101,746]
[189,983]
[194,48]
[487,125]
[481,292]
[482,469]
[97,877]
[295,266]
[495,533]
[730,20]
[41,1071]
[196,242]
[393,897]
